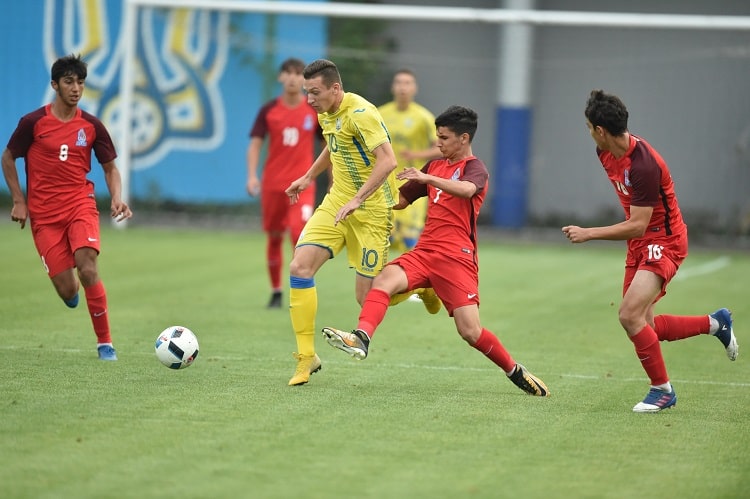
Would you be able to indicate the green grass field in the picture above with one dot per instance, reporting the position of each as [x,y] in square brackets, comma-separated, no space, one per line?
[425,416]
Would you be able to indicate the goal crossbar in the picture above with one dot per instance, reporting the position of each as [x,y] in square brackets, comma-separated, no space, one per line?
[394,12]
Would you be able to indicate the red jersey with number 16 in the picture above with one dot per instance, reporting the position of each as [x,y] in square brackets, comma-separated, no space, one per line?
[451,225]
[58,158]
[641,178]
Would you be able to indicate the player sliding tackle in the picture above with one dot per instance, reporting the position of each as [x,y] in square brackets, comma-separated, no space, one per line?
[445,257]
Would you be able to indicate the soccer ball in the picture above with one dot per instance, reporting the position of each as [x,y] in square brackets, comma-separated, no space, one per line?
[176,347]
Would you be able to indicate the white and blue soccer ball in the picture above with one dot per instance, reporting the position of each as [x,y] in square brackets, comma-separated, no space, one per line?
[176,347]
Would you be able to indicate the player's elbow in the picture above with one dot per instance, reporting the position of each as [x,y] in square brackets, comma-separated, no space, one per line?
[638,230]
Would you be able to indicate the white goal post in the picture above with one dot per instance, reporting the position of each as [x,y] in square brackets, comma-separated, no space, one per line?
[387,11]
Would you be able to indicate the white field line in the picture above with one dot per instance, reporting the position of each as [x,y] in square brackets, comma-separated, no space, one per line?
[703,269]
[407,367]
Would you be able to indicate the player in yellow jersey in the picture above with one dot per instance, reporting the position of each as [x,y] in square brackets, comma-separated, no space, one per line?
[412,130]
[356,212]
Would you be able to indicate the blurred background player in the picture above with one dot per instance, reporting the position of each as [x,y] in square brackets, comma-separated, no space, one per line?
[412,130]
[356,212]
[657,242]
[56,143]
[291,126]
[445,257]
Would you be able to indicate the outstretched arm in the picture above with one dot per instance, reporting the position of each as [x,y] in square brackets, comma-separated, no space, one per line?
[632,228]
[321,164]
[385,163]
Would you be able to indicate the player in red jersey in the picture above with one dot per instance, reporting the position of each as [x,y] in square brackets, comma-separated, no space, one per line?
[56,143]
[445,256]
[657,243]
[291,126]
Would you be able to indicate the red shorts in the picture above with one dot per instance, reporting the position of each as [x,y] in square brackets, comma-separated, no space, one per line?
[278,215]
[455,279]
[662,256]
[57,242]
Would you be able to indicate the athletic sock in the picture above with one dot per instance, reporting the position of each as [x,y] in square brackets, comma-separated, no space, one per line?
[96,300]
[303,307]
[678,327]
[649,353]
[490,346]
[373,311]
[274,259]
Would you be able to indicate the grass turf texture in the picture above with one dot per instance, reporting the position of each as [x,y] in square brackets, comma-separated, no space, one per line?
[424,416]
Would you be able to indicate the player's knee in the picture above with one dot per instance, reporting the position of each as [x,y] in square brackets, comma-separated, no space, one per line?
[629,319]
[88,274]
[470,335]
[298,268]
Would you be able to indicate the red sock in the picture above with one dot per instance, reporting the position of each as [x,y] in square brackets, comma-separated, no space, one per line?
[649,353]
[96,300]
[678,327]
[373,310]
[490,346]
[275,258]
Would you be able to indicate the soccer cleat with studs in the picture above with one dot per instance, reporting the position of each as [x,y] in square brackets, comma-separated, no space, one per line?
[527,382]
[656,400]
[106,352]
[275,301]
[354,343]
[306,366]
[725,333]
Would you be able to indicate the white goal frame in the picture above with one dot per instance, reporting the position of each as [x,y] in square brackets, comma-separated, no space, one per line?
[388,11]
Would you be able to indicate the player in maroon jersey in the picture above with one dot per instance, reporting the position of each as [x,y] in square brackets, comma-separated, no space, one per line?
[291,126]
[657,243]
[445,256]
[56,143]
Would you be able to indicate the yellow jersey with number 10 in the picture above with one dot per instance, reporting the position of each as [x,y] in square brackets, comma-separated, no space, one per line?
[352,133]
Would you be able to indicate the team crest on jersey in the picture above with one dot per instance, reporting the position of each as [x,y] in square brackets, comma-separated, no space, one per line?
[457,174]
[308,123]
[81,140]
[627,178]
[338,124]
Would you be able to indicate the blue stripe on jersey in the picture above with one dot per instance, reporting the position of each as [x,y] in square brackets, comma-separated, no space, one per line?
[361,150]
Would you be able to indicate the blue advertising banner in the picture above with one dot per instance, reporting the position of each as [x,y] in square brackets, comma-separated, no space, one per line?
[200,77]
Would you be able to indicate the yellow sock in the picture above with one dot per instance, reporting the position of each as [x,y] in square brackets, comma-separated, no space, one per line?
[396,299]
[303,307]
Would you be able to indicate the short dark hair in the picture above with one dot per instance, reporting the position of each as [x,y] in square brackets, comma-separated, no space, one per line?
[458,119]
[69,65]
[607,111]
[405,71]
[324,68]
[292,65]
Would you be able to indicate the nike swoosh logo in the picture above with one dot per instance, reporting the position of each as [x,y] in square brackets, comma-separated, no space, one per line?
[99,314]
[471,296]
[360,110]
[92,239]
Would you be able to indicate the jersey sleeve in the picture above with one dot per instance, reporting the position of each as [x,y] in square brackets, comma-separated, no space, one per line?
[260,126]
[370,127]
[645,178]
[104,148]
[476,173]
[22,137]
